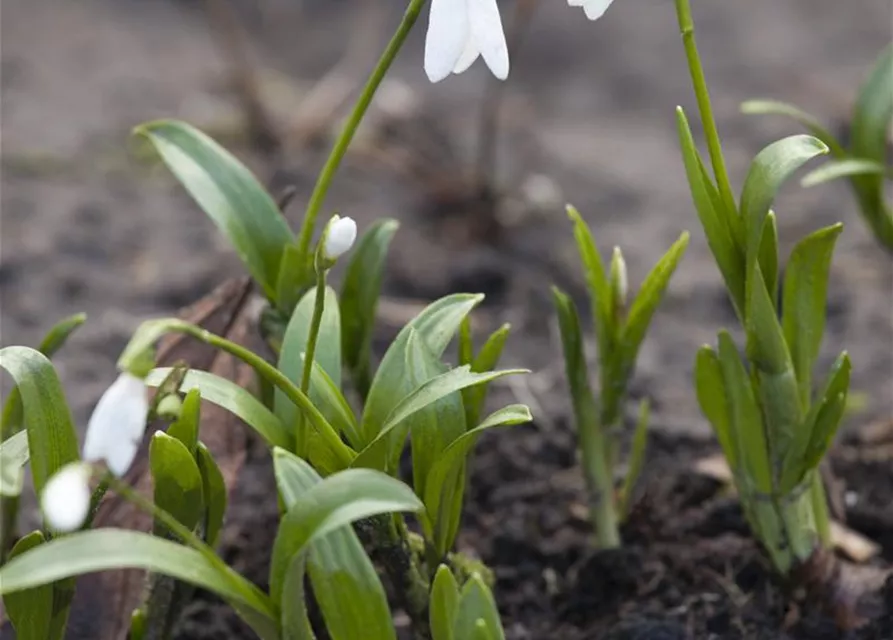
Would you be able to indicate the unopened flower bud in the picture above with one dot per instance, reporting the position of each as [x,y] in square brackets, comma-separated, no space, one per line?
[116,428]
[65,499]
[619,283]
[341,234]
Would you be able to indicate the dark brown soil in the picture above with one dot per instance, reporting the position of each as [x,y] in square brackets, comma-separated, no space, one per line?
[590,106]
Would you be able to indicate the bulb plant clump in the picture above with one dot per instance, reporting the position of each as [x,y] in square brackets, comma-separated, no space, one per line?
[351,530]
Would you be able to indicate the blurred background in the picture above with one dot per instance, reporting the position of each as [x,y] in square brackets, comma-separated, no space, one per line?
[586,116]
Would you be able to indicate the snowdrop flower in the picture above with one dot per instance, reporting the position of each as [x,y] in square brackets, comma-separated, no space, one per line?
[619,281]
[340,237]
[66,497]
[594,9]
[116,427]
[461,30]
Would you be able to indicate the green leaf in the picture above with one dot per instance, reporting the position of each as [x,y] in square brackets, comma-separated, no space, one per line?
[814,437]
[773,107]
[177,481]
[337,501]
[228,193]
[360,291]
[486,360]
[768,171]
[13,458]
[185,429]
[714,403]
[290,284]
[112,549]
[345,583]
[333,405]
[466,346]
[233,398]
[476,604]
[636,459]
[446,478]
[597,281]
[643,307]
[214,493]
[803,304]
[423,396]
[768,257]
[444,604]
[766,345]
[717,223]
[846,168]
[294,344]
[30,610]
[748,435]
[436,325]
[52,441]
[873,112]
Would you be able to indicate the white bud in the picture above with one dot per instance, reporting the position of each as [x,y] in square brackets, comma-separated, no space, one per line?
[618,276]
[340,237]
[66,497]
[116,428]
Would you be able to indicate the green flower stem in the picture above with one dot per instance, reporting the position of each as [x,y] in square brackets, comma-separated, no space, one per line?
[350,128]
[596,454]
[310,352]
[714,146]
[189,538]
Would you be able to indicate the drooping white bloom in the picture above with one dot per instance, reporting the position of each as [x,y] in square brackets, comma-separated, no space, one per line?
[594,9]
[461,30]
[116,427]
[340,237]
[66,497]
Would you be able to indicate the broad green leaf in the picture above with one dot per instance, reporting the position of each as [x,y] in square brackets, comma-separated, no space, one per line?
[446,477]
[486,360]
[444,604]
[13,458]
[476,604]
[290,284]
[293,605]
[874,110]
[636,458]
[643,307]
[214,493]
[360,291]
[747,432]
[597,281]
[30,610]
[337,501]
[803,303]
[177,481]
[185,429]
[846,168]
[333,405]
[228,193]
[816,128]
[436,325]
[768,171]
[766,345]
[113,549]
[717,222]
[466,346]
[433,427]
[233,398]
[714,403]
[423,396]
[294,344]
[345,583]
[52,442]
[768,257]
[830,413]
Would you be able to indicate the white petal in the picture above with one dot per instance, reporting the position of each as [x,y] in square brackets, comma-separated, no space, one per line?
[576,3]
[595,9]
[66,497]
[469,54]
[340,237]
[486,30]
[448,30]
[116,427]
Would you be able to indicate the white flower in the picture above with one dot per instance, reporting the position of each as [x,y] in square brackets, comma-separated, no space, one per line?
[594,9]
[461,30]
[66,497]
[619,280]
[116,428]
[340,237]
